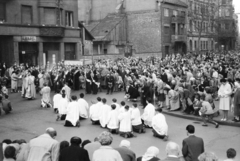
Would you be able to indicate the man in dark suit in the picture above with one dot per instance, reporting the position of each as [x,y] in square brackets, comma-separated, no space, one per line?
[173,152]
[74,152]
[192,146]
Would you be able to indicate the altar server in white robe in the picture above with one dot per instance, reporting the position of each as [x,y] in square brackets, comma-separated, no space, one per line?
[56,100]
[224,94]
[67,91]
[73,111]
[113,122]
[148,114]
[46,98]
[83,107]
[115,103]
[137,125]
[62,108]
[125,128]
[105,110]
[159,124]
[95,111]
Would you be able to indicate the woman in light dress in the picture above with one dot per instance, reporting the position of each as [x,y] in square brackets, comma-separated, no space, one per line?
[224,93]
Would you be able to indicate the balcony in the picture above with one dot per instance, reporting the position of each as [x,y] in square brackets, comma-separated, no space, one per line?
[178,19]
[49,31]
[179,38]
[227,33]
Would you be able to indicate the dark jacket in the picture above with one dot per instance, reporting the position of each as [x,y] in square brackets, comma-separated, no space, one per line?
[74,153]
[192,147]
[126,154]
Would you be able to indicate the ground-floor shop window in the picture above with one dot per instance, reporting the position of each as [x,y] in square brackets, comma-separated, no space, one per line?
[70,53]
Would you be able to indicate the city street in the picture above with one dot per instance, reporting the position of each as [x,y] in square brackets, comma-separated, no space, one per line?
[28,120]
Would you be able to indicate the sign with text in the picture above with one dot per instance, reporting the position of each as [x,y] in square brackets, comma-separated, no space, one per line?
[29,38]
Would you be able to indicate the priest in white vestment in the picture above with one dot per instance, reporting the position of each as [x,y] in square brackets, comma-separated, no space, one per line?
[83,107]
[67,90]
[62,108]
[159,125]
[137,125]
[149,112]
[105,110]
[46,98]
[56,101]
[73,113]
[125,128]
[95,111]
[113,122]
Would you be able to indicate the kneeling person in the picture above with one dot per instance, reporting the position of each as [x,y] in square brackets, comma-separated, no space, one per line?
[137,125]
[159,124]
[113,122]
[73,113]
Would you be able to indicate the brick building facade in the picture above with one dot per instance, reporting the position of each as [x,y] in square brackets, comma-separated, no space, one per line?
[39,31]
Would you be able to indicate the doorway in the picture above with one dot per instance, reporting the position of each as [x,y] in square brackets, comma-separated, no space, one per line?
[28,53]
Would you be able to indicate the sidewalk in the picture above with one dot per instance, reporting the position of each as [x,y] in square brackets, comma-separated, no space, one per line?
[198,119]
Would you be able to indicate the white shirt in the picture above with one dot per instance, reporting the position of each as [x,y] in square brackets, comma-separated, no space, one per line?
[105,110]
[136,117]
[159,124]
[148,114]
[56,100]
[63,104]
[113,122]
[95,111]
[125,122]
[73,111]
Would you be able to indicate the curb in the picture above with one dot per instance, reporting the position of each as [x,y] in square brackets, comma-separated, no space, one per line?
[190,117]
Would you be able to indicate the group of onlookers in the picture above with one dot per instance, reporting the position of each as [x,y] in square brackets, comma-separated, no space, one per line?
[46,148]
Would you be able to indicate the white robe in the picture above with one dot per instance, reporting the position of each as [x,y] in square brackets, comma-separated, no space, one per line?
[63,104]
[105,110]
[136,117]
[159,124]
[67,91]
[224,92]
[56,100]
[73,112]
[113,122]
[95,111]
[83,107]
[125,122]
[148,114]
[45,92]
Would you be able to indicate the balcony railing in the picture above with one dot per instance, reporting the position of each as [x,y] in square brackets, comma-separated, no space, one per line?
[51,31]
[179,38]
[178,19]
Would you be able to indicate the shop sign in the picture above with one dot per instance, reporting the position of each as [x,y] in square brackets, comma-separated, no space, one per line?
[29,38]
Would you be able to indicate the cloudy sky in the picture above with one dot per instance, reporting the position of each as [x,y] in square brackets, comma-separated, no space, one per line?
[237,6]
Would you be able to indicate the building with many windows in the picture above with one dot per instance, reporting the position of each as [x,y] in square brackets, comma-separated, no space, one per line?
[39,31]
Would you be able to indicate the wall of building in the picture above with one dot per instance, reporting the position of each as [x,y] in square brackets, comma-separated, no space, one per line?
[144,32]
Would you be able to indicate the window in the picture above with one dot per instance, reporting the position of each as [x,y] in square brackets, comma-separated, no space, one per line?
[2,11]
[50,16]
[69,18]
[70,53]
[183,13]
[207,45]
[26,14]
[166,12]
[166,30]
[175,13]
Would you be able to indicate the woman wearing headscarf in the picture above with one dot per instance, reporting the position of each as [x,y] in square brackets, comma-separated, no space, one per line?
[150,155]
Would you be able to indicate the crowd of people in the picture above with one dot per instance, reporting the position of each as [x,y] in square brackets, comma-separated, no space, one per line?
[45,147]
[190,84]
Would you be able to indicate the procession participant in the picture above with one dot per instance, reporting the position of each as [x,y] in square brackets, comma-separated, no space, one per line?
[122,107]
[95,111]
[41,79]
[110,83]
[6,104]
[14,81]
[224,93]
[62,109]
[116,104]
[31,90]
[82,81]
[83,107]
[113,122]
[73,113]
[125,127]
[46,100]
[148,114]
[236,101]
[95,83]
[76,82]
[58,82]
[56,101]
[105,110]
[88,83]
[137,125]
[67,90]
[159,124]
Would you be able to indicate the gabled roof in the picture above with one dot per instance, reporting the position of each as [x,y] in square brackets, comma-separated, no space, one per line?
[87,33]
[175,2]
[106,26]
